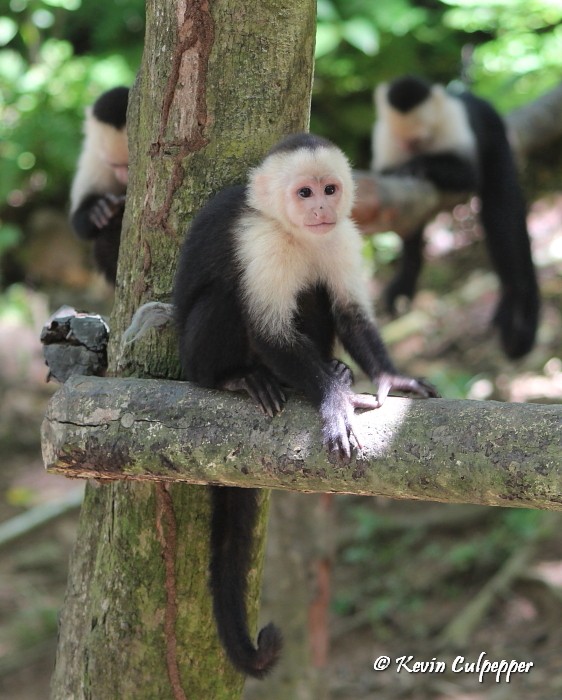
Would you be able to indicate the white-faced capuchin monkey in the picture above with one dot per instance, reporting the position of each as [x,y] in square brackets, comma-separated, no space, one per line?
[97,197]
[459,143]
[269,275]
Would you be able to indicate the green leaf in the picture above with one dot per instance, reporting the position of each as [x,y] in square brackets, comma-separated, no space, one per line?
[362,34]
[8,30]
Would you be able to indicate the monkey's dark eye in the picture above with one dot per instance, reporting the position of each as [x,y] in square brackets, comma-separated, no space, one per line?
[305,192]
[330,189]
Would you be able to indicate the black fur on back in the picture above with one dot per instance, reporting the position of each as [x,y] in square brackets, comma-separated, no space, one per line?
[296,141]
[408,92]
[233,521]
[111,107]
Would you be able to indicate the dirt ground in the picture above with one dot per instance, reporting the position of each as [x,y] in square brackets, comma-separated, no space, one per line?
[398,582]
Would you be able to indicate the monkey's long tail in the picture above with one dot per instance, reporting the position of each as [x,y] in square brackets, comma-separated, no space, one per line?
[234,516]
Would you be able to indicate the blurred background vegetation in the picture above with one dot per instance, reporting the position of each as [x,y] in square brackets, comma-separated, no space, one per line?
[56,57]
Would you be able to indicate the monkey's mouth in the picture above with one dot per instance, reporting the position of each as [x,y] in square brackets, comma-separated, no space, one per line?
[321,227]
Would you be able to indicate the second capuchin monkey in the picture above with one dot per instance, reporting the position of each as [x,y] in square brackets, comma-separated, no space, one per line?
[270,274]
[97,197]
[459,143]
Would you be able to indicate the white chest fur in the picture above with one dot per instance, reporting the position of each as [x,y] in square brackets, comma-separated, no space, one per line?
[276,266]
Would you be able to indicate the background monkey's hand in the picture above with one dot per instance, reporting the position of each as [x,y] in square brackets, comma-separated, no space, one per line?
[107,206]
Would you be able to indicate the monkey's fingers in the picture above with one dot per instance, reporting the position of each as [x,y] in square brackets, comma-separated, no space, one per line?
[367,401]
[106,208]
[102,213]
[338,426]
[98,218]
[336,436]
[426,389]
[116,200]
[341,372]
[341,446]
[398,382]
[264,388]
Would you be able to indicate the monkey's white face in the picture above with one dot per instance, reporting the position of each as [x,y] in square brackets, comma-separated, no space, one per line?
[308,193]
[112,148]
[115,154]
[416,130]
[312,203]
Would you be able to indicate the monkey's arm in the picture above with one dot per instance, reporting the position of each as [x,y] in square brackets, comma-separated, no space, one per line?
[363,342]
[298,363]
[449,172]
[95,213]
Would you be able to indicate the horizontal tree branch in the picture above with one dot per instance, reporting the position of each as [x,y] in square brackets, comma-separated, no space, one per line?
[399,204]
[481,452]
[537,124]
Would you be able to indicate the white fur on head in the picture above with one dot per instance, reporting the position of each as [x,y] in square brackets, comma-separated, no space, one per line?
[440,123]
[277,265]
[270,181]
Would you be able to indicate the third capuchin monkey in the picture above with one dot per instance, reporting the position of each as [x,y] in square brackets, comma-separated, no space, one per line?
[270,274]
[459,143]
[97,197]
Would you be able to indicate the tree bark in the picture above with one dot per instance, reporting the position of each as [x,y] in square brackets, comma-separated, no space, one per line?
[482,452]
[220,82]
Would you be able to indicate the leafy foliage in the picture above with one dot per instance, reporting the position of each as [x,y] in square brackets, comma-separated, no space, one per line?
[57,56]
[509,52]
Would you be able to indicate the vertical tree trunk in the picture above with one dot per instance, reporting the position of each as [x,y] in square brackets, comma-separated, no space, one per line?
[220,82]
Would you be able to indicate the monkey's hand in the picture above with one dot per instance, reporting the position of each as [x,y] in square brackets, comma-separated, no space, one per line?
[409,385]
[263,387]
[337,411]
[105,208]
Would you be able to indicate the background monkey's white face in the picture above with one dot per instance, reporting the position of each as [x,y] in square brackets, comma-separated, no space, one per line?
[104,162]
[439,123]
[416,131]
[113,150]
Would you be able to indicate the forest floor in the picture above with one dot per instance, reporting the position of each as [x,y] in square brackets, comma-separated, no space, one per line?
[421,580]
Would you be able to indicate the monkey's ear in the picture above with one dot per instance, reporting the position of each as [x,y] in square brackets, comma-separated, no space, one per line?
[260,193]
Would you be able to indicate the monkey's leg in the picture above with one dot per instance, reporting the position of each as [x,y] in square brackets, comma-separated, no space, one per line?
[404,281]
